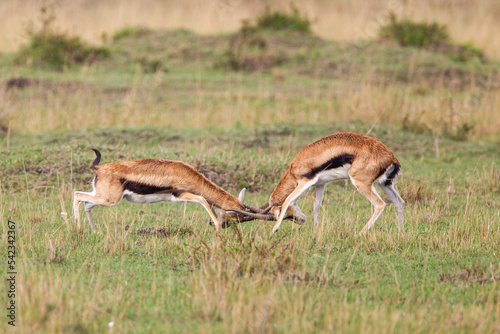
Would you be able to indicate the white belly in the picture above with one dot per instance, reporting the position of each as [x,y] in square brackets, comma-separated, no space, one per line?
[331,175]
[146,199]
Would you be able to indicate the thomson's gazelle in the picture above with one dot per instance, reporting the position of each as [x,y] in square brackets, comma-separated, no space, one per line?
[154,180]
[364,160]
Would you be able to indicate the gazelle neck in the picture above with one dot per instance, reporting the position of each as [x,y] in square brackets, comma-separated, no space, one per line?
[283,189]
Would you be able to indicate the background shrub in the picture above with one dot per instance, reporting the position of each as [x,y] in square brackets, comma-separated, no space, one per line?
[408,33]
[49,49]
[283,21]
[135,31]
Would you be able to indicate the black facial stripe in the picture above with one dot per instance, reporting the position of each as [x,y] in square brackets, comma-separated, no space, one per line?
[333,163]
[141,188]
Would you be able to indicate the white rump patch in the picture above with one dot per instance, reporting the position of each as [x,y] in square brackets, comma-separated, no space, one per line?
[150,198]
[331,175]
[383,177]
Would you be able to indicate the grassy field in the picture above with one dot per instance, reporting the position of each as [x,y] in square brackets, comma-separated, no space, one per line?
[177,79]
[173,94]
[162,267]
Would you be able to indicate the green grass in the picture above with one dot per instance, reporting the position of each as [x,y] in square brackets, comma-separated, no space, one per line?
[441,275]
[177,79]
[162,268]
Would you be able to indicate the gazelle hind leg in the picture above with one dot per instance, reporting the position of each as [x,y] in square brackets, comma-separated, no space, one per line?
[397,200]
[368,190]
[303,185]
[318,199]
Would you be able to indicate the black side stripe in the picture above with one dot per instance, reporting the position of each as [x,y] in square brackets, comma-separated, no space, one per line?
[333,163]
[142,188]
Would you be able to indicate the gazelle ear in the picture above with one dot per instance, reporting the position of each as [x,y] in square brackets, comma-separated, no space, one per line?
[241,196]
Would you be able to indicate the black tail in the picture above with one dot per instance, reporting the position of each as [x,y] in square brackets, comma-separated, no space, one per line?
[395,171]
[97,160]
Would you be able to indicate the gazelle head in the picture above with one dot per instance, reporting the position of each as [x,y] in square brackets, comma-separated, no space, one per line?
[293,213]
[234,215]
[268,211]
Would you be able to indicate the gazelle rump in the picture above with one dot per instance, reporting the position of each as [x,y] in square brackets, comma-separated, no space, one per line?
[364,160]
[154,180]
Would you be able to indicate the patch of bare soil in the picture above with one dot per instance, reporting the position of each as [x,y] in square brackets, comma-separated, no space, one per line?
[166,232]
[18,83]
[474,274]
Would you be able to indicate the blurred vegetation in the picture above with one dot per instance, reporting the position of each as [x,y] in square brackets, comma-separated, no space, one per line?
[277,20]
[408,33]
[48,47]
[133,31]
[431,36]
[254,77]
[248,48]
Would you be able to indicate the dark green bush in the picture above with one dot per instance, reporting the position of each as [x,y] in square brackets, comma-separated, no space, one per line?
[472,50]
[54,50]
[246,50]
[134,31]
[465,52]
[151,65]
[429,36]
[408,33]
[282,21]
[49,48]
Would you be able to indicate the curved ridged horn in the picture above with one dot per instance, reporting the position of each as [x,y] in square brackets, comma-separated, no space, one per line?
[251,208]
[254,215]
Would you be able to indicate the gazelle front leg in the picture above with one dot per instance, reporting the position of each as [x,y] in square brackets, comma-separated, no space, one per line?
[320,192]
[90,201]
[303,185]
[76,211]
[189,197]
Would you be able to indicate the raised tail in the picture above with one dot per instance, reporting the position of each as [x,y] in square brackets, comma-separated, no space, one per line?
[95,164]
[391,173]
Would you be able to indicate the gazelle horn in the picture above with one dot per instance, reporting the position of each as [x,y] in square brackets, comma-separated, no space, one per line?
[254,215]
[251,208]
